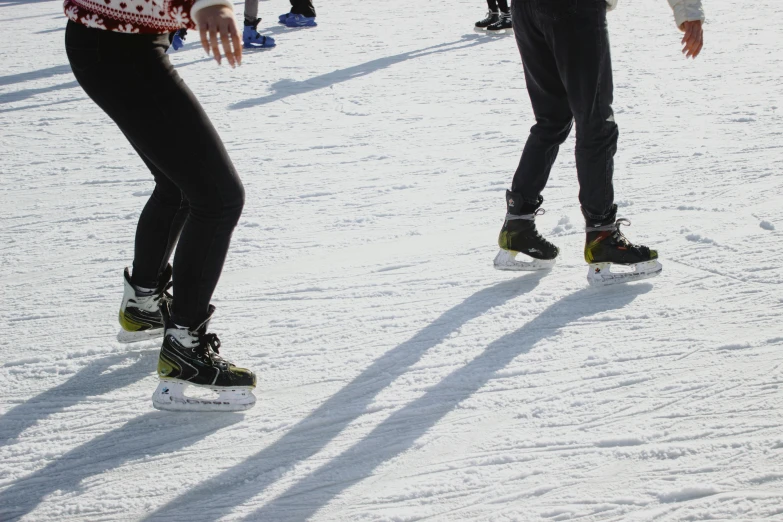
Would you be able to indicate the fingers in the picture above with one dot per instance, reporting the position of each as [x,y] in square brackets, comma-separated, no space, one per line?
[204,42]
[226,41]
[229,36]
[237,41]
[692,40]
[213,43]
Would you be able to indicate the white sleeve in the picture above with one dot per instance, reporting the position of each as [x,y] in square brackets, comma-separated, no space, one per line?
[201,4]
[684,11]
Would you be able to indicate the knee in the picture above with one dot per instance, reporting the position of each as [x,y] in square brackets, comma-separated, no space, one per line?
[236,202]
[552,131]
[228,207]
[597,134]
[167,195]
[222,204]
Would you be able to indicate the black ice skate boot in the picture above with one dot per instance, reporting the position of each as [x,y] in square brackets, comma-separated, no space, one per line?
[606,246]
[502,26]
[491,18]
[140,317]
[519,234]
[190,357]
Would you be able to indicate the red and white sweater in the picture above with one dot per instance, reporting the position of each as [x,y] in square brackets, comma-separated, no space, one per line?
[138,16]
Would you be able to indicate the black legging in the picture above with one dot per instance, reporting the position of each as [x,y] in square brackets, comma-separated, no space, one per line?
[197,191]
[493,5]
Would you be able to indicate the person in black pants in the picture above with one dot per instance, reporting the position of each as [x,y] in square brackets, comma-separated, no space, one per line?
[196,203]
[498,17]
[564,46]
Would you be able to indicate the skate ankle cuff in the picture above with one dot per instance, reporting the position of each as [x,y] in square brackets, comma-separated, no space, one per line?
[602,228]
[528,217]
[610,226]
[518,206]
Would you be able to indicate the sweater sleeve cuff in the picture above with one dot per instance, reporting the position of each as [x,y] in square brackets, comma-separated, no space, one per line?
[201,4]
[687,11]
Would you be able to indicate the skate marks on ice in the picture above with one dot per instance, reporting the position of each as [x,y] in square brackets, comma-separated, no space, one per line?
[285,88]
[326,422]
[404,427]
[94,379]
[152,435]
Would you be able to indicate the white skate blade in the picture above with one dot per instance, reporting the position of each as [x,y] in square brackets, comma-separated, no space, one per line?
[170,396]
[480,30]
[500,32]
[602,274]
[125,336]
[506,260]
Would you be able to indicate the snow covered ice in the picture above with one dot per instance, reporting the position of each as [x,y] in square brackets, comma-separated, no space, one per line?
[401,377]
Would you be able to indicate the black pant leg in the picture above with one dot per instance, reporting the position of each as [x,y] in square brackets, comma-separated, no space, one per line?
[584,61]
[158,229]
[303,7]
[132,80]
[548,99]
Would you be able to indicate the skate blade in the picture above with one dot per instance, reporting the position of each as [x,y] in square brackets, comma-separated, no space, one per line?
[601,274]
[124,336]
[257,46]
[170,396]
[480,30]
[506,260]
[500,32]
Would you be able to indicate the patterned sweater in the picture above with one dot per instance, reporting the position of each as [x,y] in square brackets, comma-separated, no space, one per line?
[138,16]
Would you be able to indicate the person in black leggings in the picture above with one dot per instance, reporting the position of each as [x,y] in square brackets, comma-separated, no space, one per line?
[198,196]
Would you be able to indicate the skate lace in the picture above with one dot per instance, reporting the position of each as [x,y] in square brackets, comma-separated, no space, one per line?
[164,296]
[540,212]
[618,235]
[209,348]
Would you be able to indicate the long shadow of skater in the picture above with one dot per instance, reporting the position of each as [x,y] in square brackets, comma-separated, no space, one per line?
[311,434]
[286,88]
[16,96]
[35,75]
[10,3]
[398,433]
[151,434]
[92,380]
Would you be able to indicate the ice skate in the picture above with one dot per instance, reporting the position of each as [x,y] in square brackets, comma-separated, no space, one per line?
[298,20]
[491,18]
[613,259]
[194,377]
[502,26]
[140,316]
[251,37]
[519,236]
[178,40]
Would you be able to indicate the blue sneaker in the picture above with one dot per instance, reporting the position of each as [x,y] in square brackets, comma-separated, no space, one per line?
[179,39]
[251,38]
[283,17]
[297,20]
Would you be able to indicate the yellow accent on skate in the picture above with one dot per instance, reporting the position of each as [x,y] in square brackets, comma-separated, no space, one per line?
[166,366]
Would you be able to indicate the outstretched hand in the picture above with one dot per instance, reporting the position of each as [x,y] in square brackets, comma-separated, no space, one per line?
[693,40]
[219,20]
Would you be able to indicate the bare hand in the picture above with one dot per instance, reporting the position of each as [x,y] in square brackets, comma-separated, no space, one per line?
[693,40]
[219,20]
